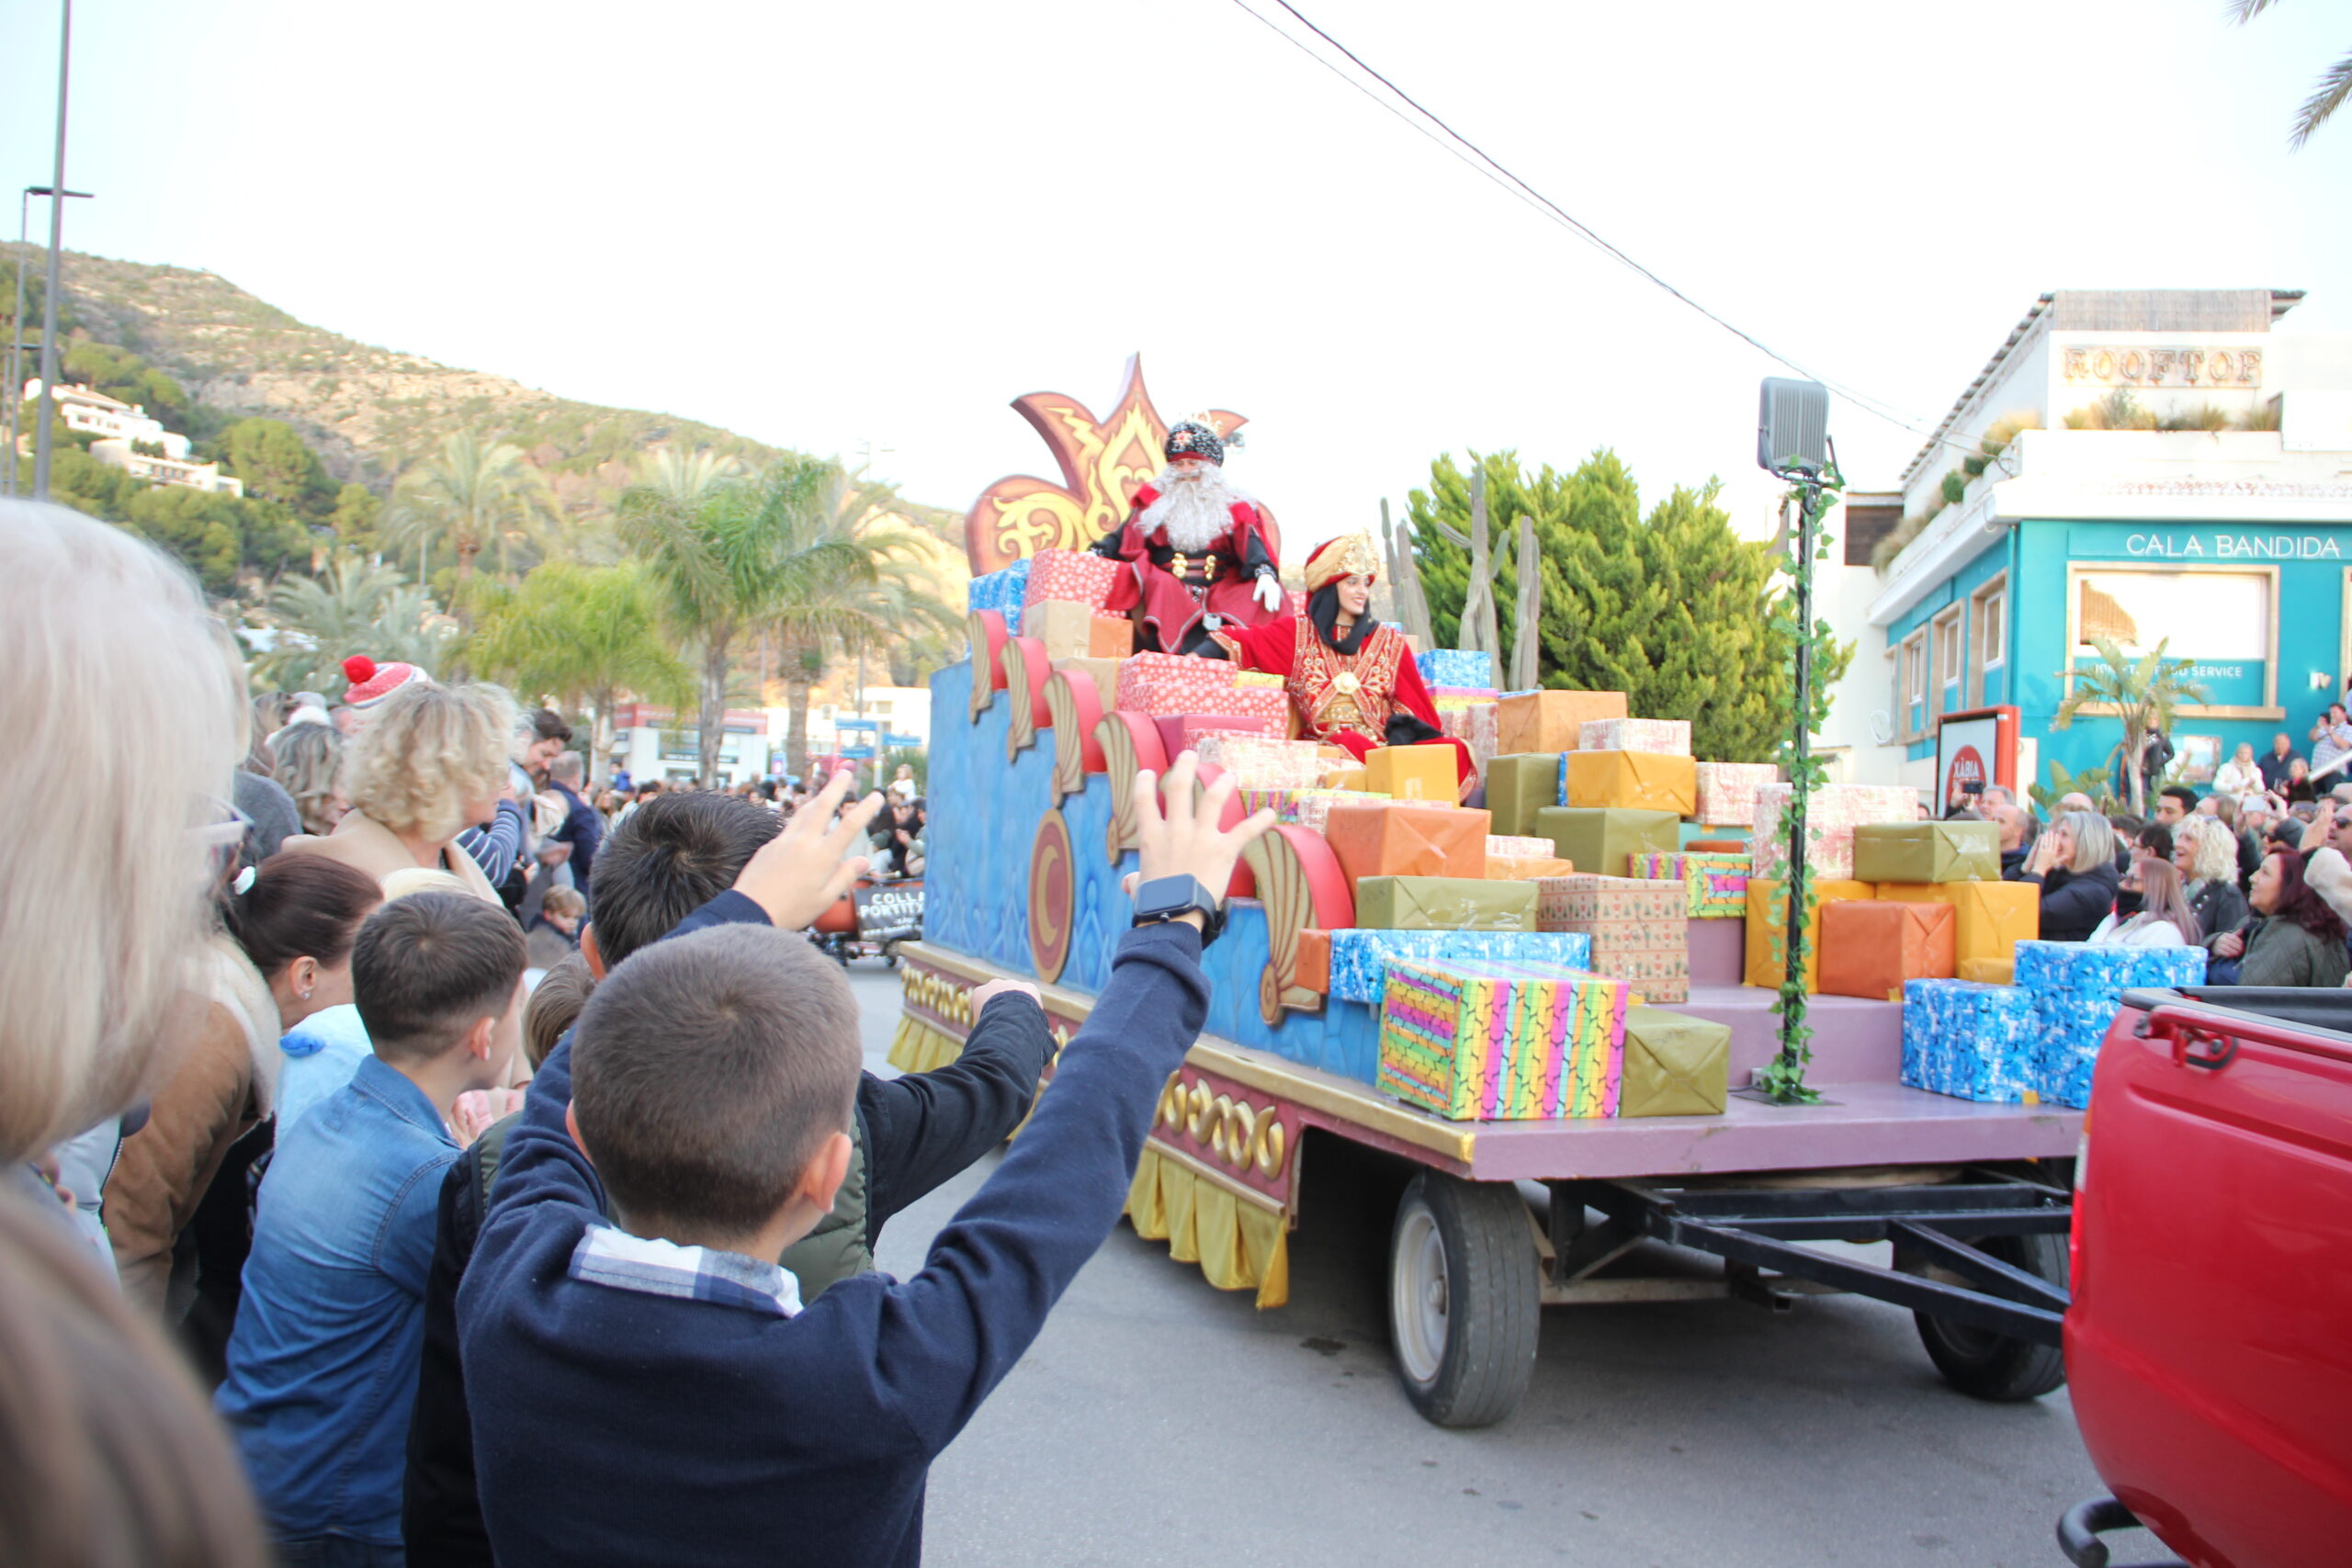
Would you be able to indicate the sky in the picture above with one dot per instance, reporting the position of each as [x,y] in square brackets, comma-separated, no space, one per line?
[865,228]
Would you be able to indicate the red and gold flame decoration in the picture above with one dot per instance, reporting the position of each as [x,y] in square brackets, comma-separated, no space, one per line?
[1103,463]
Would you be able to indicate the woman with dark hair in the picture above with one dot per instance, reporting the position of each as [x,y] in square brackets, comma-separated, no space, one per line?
[2293,938]
[284,954]
[1351,680]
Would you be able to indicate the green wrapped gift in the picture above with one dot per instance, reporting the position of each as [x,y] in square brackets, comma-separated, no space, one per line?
[1927,851]
[1519,786]
[1599,838]
[1444,904]
[1675,1064]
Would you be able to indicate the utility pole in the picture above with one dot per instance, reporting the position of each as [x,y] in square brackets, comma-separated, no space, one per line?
[17,344]
[56,243]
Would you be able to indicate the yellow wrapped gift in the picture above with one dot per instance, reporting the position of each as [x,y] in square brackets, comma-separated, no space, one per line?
[1412,772]
[1992,917]
[1768,916]
[1989,971]
[1631,781]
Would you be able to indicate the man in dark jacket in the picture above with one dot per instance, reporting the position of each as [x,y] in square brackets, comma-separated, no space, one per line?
[2273,765]
[678,855]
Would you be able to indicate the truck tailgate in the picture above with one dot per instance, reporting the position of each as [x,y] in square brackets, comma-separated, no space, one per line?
[2209,1342]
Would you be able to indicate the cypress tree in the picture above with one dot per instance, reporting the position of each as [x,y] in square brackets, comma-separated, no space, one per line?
[1673,609]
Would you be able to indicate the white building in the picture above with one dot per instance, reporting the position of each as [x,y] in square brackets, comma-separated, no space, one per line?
[2154,468]
[123,429]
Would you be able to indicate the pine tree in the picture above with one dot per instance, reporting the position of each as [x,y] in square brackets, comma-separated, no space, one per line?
[1673,609]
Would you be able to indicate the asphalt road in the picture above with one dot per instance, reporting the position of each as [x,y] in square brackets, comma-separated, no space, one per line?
[1160,1421]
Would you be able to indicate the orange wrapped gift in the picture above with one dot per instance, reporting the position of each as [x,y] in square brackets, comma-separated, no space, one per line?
[1110,637]
[1407,838]
[1526,868]
[1550,721]
[1869,949]
[1313,967]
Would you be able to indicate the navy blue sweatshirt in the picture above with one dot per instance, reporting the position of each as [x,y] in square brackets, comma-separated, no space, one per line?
[615,1426]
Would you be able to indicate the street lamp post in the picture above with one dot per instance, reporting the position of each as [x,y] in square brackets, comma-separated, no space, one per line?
[56,243]
[17,343]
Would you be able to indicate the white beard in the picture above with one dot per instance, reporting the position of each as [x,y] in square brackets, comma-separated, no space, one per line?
[1193,512]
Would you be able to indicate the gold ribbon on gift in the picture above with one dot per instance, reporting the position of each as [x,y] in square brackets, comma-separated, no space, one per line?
[1238,1241]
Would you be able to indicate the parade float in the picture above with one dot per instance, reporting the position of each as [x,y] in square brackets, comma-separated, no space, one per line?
[1545,1012]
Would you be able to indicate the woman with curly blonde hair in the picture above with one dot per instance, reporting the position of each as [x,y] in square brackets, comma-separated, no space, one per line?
[430,764]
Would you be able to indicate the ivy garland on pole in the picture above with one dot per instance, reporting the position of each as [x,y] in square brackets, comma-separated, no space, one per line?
[1811,644]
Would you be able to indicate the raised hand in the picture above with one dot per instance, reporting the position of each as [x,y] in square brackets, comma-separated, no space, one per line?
[798,873]
[983,995]
[1185,840]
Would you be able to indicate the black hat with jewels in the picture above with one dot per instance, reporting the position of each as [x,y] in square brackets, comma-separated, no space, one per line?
[1191,438]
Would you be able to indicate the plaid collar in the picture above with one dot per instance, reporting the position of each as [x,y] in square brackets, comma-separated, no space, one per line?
[657,1268]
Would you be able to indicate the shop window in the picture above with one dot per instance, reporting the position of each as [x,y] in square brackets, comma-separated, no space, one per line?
[2221,624]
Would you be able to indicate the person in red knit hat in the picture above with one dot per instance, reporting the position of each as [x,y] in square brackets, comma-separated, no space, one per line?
[1351,680]
[372,682]
[1195,549]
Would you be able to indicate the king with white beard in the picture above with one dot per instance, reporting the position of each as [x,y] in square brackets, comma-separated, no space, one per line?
[1195,551]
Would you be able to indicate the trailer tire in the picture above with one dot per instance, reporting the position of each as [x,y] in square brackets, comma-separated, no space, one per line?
[1462,1299]
[1997,1367]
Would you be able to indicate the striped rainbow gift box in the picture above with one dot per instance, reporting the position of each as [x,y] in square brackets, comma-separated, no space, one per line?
[1717,883]
[1480,1041]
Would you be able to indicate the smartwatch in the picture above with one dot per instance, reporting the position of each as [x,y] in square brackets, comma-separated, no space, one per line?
[1164,897]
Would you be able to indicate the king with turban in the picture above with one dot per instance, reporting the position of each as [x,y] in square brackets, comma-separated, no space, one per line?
[1351,680]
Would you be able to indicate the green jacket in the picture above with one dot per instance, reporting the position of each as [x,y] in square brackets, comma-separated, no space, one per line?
[2280,953]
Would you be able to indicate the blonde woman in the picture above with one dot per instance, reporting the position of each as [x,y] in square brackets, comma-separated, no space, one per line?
[2241,775]
[431,763]
[310,768]
[115,1456]
[2206,855]
[2074,864]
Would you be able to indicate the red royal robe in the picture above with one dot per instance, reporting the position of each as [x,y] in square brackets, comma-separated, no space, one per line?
[1169,611]
[1345,699]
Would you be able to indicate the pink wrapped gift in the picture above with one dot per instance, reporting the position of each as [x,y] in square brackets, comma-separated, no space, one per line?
[1728,792]
[1516,845]
[1157,684]
[1305,808]
[1669,735]
[1640,930]
[1477,726]
[1185,731]
[1832,813]
[1078,576]
[1261,761]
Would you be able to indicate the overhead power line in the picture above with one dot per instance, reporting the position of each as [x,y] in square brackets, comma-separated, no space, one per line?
[1432,126]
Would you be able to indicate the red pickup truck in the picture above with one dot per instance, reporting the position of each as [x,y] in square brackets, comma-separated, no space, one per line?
[2209,1344]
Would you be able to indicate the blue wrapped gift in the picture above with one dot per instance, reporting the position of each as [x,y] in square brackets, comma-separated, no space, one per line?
[2071,1031]
[2073,969]
[1001,591]
[1455,666]
[1970,1041]
[1360,954]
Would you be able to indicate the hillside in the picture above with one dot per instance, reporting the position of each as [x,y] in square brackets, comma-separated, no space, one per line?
[368,411]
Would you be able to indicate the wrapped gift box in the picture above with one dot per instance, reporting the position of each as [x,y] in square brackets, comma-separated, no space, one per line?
[1447,698]
[1993,916]
[1413,772]
[1065,630]
[1640,930]
[1445,904]
[1185,731]
[1476,726]
[1768,914]
[1668,737]
[1872,949]
[1484,1040]
[1305,807]
[1157,684]
[1312,968]
[1604,841]
[1076,577]
[1001,590]
[2065,968]
[1552,721]
[1831,815]
[1261,761]
[1526,868]
[2066,1047]
[1987,971]
[1360,954]
[1518,786]
[1717,883]
[1974,1041]
[1258,678]
[1927,851]
[1455,666]
[1406,838]
[1346,776]
[1675,1064]
[1728,792]
[1103,673]
[1629,781]
[1516,843]
[1110,637]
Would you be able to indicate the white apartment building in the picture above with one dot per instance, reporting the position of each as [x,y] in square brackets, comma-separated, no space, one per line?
[123,428]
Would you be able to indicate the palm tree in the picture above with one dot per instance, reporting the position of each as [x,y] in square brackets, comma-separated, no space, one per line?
[582,634]
[2335,84]
[735,554]
[358,606]
[474,498]
[2143,693]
